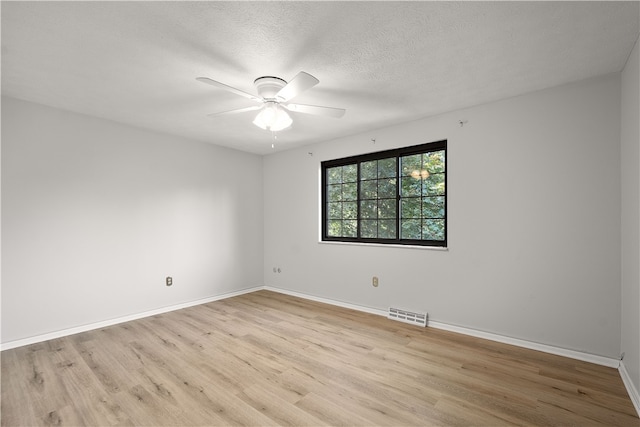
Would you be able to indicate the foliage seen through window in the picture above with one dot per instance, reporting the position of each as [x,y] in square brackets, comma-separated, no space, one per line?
[396,196]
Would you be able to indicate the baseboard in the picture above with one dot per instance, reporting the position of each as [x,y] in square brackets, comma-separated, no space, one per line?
[545,348]
[600,360]
[578,355]
[631,388]
[327,301]
[97,325]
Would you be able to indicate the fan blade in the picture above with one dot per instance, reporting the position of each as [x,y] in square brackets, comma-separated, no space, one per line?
[239,110]
[229,88]
[301,82]
[315,109]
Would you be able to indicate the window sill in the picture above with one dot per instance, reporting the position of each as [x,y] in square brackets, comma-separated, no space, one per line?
[382,245]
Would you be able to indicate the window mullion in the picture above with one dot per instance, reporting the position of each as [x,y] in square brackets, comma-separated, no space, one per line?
[358,224]
[377,200]
[398,198]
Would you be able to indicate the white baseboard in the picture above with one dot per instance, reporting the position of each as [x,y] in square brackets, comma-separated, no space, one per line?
[600,360]
[558,351]
[110,322]
[631,388]
[328,301]
[578,355]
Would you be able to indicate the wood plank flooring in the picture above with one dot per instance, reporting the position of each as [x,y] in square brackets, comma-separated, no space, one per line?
[265,359]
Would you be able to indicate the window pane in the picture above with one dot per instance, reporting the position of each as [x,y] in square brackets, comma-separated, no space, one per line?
[334,192]
[411,187]
[433,229]
[335,210]
[387,188]
[434,161]
[387,229]
[387,168]
[410,207]
[369,229]
[369,170]
[411,229]
[350,173]
[350,210]
[350,228]
[434,185]
[334,228]
[387,208]
[369,209]
[369,189]
[410,164]
[433,207]
[350,191]
[334,175]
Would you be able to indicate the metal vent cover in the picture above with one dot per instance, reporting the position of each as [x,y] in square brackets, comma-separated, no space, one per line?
[408,316]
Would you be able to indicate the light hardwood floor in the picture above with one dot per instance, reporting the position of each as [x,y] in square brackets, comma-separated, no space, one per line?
[270,359]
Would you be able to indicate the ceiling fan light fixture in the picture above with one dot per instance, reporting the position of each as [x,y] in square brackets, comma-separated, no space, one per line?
[273,117]
[274,95]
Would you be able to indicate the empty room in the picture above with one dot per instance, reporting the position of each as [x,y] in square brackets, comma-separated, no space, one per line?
[320,213]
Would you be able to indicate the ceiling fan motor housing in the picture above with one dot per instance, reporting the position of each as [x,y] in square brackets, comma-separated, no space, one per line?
[269,86]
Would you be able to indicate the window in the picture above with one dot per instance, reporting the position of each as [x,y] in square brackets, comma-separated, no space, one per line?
[394,197]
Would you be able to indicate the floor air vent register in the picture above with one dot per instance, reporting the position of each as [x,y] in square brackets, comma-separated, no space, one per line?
[405,316]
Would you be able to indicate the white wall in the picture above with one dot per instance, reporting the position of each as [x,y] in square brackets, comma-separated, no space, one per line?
[95,214]
[534,222]
[630,167]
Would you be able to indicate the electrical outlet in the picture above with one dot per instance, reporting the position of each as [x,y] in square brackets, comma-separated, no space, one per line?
[169,281]
[374,281]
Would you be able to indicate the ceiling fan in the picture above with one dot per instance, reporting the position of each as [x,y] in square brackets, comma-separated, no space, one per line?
[274,95]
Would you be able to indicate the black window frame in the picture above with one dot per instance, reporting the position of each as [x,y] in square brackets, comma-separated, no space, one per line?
[379,155]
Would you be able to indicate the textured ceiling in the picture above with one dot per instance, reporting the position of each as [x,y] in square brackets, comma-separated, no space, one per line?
[385,62]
